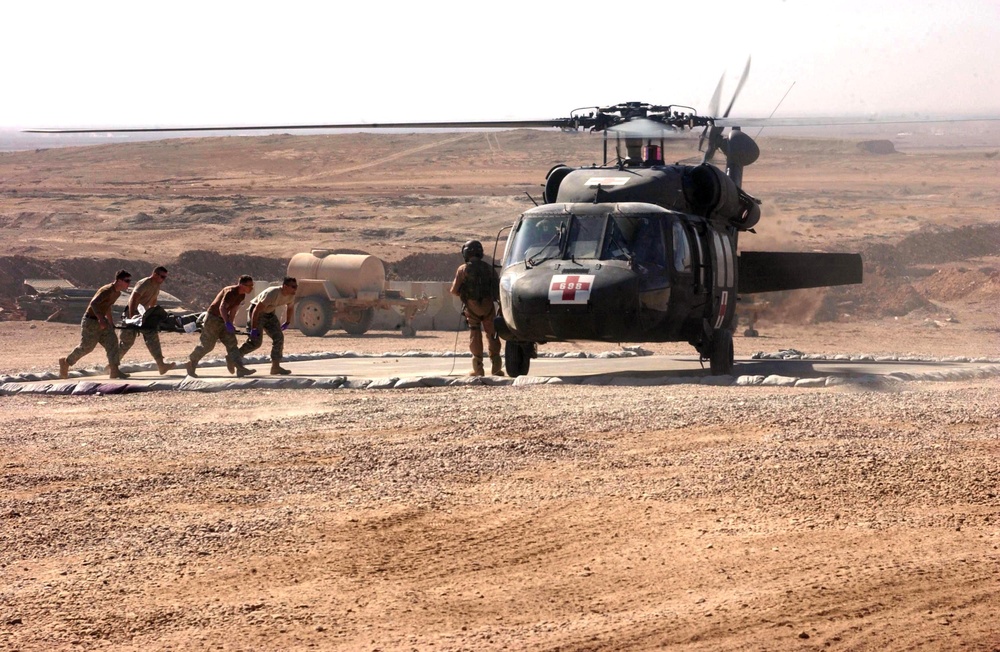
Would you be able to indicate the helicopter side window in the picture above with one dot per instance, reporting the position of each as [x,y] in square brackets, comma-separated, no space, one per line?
[682,249]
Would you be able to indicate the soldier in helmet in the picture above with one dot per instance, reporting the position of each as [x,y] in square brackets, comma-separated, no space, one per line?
[98,327]
[477,284]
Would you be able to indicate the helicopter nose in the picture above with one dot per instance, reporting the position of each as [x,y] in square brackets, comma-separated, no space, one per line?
[547,305]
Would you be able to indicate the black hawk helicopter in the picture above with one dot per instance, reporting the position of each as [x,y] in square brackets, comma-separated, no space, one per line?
[643,251]
[634,249]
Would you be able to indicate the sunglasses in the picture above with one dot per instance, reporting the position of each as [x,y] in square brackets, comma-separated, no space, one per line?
[162,276]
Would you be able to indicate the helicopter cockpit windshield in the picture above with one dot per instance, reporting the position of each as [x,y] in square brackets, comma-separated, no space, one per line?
[636,239]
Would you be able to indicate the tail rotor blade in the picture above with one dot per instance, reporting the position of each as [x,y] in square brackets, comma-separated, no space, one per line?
[713,106]
[713,134]
[739,87]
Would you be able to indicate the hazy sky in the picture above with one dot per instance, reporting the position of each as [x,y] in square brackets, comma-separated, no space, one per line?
[235,63]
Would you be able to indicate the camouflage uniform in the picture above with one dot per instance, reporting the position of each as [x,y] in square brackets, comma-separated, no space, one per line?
[215,331]
[145,294]
[479,314]
[264,308]
[91,333]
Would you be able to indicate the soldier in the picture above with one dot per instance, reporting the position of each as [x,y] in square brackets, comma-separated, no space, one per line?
[263,316]
[219,326]
[145,294]
[477,284]
[98,327]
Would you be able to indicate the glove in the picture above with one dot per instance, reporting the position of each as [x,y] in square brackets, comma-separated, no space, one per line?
[230,328]
[284,326]
[254,333]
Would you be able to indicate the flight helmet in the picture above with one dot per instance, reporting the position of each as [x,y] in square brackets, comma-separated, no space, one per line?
[472,249]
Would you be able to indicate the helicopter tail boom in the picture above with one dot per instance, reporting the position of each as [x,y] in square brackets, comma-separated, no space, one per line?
[775,271]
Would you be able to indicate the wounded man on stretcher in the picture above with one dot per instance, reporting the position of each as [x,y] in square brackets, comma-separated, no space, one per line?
[156,318]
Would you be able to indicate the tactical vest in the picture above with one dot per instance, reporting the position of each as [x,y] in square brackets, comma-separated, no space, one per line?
[479,281]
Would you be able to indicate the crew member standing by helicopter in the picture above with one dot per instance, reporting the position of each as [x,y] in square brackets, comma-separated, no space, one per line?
[477,284]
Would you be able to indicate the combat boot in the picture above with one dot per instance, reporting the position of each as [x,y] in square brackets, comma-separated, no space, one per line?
[277,370]
[63,368]
[230,365]
[242,371]
[497,368]
[477,366]
[116,373]
[164,367]
[189,367]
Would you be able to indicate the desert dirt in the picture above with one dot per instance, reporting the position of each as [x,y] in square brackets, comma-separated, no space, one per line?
[548,517]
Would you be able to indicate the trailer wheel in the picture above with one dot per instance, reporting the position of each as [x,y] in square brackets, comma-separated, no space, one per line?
[313,316]
[357,323]
[409,331]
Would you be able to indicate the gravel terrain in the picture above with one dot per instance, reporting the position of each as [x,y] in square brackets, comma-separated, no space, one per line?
[547,517]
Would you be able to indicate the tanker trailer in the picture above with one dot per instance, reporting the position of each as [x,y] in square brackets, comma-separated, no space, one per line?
[345,290]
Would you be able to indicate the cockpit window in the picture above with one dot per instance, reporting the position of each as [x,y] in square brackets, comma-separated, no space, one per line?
[587,237]
[537,238]
[639,239]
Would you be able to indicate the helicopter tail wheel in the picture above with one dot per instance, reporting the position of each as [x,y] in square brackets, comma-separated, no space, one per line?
[517,357]
[721,355]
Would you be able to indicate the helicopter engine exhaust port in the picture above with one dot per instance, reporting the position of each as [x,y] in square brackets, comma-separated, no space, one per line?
[552,181]
[712,194]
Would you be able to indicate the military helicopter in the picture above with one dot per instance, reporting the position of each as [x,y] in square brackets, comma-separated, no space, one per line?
[634,249]
[642,251]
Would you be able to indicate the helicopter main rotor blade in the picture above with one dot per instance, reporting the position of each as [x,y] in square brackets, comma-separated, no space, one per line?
[477,124]
[840,121]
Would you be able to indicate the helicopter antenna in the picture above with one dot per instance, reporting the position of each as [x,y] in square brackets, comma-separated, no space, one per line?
[776,108]
[531,198]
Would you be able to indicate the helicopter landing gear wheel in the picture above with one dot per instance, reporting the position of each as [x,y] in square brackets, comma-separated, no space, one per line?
[409,331]
[313,316]
[517,358]
[721,357]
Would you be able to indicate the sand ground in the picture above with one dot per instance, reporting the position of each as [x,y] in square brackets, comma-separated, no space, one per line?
[541,518]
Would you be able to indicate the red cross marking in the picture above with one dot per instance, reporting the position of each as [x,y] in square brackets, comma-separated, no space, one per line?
[570,286]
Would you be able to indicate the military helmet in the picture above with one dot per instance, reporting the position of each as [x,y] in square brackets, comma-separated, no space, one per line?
[472,249]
